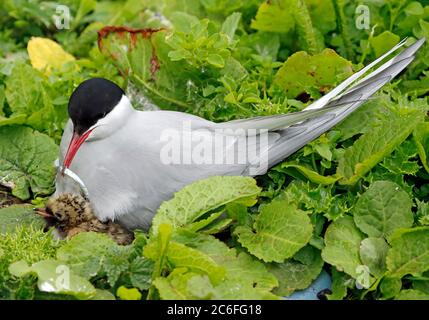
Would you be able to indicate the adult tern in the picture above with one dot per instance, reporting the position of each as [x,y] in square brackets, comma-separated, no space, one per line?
[131,161]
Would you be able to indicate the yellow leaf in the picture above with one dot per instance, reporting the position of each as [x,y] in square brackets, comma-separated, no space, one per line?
[46,54]
[128,294]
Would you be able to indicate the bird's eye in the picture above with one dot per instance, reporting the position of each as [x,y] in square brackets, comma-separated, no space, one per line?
[58,215]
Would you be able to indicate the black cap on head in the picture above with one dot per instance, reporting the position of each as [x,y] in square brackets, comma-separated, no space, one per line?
[91,101]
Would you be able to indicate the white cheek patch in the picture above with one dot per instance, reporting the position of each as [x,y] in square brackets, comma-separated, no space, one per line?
[114,120]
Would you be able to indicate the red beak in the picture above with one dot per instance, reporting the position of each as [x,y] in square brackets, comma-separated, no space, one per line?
[74,146]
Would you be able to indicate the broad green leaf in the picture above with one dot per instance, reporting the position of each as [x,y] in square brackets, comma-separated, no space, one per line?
[411,294]
[362,119]
[297,275]
[376,144]
[342,244]
[390,287]
[279,231]
[409,253]
[240,267]
[183,285]
[115,262]
[141,273]
[13,120]
[384,42]
[24,90]
[303,73]
[198,198]
[85,253]
[27,161]
[383,208]
[180,255]
[274,16]
[55,277]
[18,215]
[45,54]
[373,252]
[245,269]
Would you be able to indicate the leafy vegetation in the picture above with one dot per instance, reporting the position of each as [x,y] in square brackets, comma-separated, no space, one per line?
[354,202]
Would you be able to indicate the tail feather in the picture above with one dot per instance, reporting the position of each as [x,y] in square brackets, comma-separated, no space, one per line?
[337,108]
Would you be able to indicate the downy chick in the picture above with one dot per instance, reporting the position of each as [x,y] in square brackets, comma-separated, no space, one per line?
[71,214]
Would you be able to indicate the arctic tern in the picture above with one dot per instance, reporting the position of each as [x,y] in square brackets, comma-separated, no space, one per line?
[117,152]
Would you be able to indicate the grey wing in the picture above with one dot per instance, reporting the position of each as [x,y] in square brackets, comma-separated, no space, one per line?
[347,97]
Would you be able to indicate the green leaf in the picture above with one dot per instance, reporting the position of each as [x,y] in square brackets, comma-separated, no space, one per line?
[297,275]
[18,215]
[156,250]
[274,16]
[340,283]
[279,231]
[24,89]
[240,291]
[342,244]
[373,252]
[180,255]
[183,285]
[313,199]
[85,253]
[245,269]
[360,120]
[411,294]
[310,174]
[384,42]
[390,287]
[103,295]
[382,209]
[409,253]
[124,293]
[303,73]
[141,273]
[216,60]
[115,263]
[27,161]
[311,38]
[196,199]
[322,14]
[55,277]
[421,136]
[399,162]
[240,267]
[229,26]
[421,285]
[377,143]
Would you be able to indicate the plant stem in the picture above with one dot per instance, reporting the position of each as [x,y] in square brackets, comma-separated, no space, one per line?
[342,27]
[314,41]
